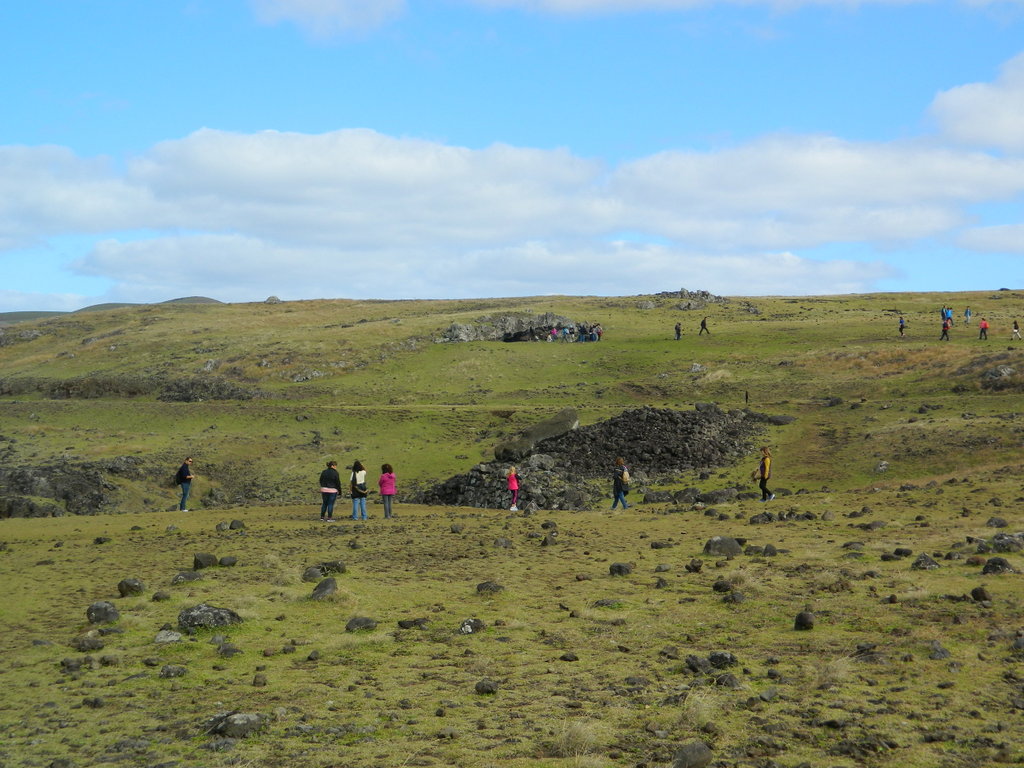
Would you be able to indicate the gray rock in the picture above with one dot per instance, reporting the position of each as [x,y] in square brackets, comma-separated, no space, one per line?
[238,725]
[804,621]
[172,670]
[359,623]
[185,577]
[564,421]
[130,587]
[202,560]
[87,642]
[102,612]
[471,626]
[228,561]
[165,636]
[203,616]
[325,588]
[489,588]
[996,565]
[924,563]
[696,754]
[620,569]
[725,546]
[486,686]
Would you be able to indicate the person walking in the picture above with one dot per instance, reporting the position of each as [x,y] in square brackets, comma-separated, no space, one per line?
[704,327]
[386,483]
[903,325]
[967,316]
[620,483]
[945,330]
[679,331]
[763,474]
[1016,332]
[184,480]
[983,329]
[330,489]
[512,482]
[357,489]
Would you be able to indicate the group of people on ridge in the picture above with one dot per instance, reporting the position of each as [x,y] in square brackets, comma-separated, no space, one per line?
[330,490]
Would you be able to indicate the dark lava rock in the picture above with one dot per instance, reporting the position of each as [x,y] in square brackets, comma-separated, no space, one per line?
[185,577]
[102,612]
[236,525]
[172,670]
[202,616]
[488,588]
[996,522]
[995,565]
[87,642]
[471,626]
[313,573]
[722,659]
[359,623]
[202,560]
[694,565]
[620,569]
[924,563]
[724,546]
[228,561]
[486,686]
[937,651]
[569,656]
[804,620]
[325,589]
[413,623]
[130,587]
[696,754]
[981,595]
[160,596]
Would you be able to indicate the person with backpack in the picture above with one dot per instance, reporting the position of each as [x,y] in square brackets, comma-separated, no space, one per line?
[184,479]
[357,489]
[330,489]
[1016,332]
[945,330]
[983,329]
[620,483]
[763,474]
[513,488]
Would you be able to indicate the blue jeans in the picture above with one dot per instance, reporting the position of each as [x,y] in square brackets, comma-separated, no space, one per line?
[359,505]
[327,507]
[185,488]
[620,496]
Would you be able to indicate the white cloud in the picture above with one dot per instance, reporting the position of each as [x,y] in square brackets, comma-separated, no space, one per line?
[328,18]
[357,213]
[1007,238]
[986,114]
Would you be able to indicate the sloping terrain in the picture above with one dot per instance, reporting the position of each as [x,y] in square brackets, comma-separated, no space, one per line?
[870,615]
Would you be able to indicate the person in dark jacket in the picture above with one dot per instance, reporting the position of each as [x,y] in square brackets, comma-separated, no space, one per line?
[620,483]
[330,489]
[184,479]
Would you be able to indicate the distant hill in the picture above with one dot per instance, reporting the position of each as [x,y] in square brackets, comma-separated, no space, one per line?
[11,318]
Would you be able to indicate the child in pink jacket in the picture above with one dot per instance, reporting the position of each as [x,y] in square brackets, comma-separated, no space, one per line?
[387,488]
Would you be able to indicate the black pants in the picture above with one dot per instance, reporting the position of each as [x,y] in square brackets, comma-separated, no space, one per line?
[765,493]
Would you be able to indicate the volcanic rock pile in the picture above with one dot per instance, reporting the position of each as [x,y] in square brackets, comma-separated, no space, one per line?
[574,470]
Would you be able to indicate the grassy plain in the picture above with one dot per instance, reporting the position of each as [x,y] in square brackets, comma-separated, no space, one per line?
[365,380]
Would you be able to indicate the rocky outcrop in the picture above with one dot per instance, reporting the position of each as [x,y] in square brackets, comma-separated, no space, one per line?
[505,327]
[513,450]
[62,488]
[573,470]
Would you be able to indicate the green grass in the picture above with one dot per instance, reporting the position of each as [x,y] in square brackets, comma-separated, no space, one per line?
[378,388]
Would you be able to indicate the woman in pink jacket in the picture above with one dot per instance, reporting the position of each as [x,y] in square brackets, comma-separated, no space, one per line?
[387,488]
[513,489]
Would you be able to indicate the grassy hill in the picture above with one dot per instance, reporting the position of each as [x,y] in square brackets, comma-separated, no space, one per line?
[897,444]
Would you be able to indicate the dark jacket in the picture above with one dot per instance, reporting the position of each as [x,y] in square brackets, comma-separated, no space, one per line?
[617,484]
[330,478]
[184,474]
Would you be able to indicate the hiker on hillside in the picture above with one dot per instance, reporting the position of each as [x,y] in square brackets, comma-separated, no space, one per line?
[763,473]
[679,331]
[1016,332]
[184,479]
[704,327]
[330,489]
[983,329]
[386,483]
[357,489]
[620,483]
[903,325]
[967,316]
[945,330]
[513,488]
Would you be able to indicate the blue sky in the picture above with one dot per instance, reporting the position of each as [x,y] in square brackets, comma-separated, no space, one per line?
[460,148]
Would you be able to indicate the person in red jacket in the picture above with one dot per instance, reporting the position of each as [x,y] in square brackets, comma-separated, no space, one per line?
[983,329]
